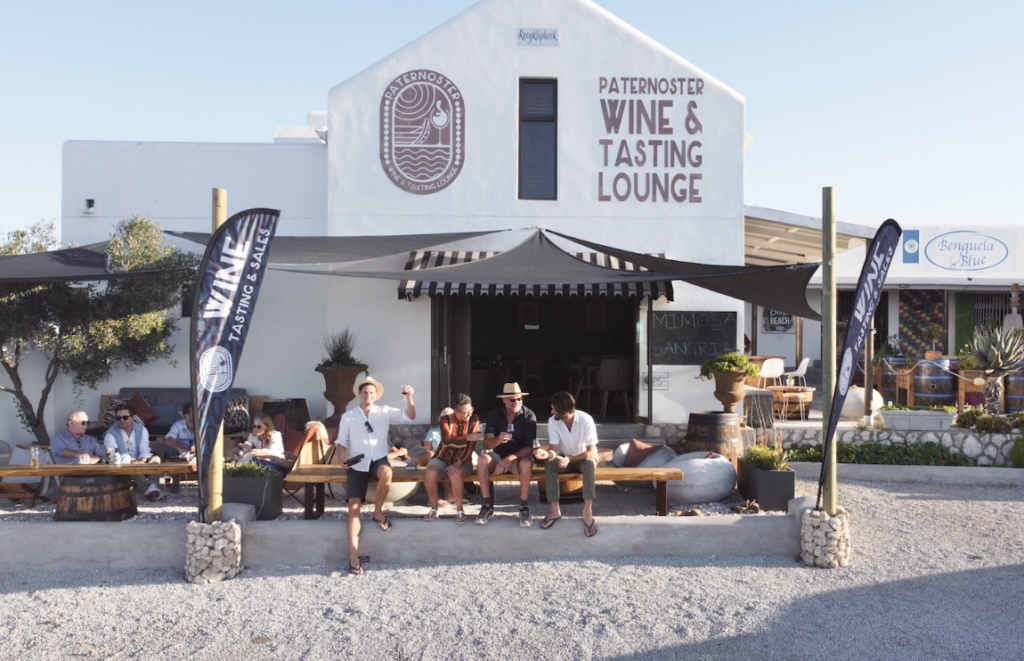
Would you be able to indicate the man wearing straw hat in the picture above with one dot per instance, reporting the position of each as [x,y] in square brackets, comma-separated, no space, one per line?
[364,431]
[508,443]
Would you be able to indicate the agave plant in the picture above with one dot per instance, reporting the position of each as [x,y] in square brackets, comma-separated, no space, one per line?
[998,354]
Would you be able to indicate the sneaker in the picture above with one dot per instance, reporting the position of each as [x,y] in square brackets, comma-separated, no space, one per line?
[524,517]
[486,512]
[153,493]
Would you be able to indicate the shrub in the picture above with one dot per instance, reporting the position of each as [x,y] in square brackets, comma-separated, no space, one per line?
[729,361]
[969,417]
[1017,454]
[250,469]
[992,424]
[914,454]
[766,458]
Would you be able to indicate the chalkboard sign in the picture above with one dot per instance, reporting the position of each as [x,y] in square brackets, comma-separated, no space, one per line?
[690,338]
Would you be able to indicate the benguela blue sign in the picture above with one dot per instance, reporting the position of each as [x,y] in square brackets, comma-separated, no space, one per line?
[966,251]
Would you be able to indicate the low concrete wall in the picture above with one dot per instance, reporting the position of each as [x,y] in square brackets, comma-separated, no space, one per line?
[42,546]
[958,475]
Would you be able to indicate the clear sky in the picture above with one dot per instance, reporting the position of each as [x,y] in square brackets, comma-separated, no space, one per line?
[910,109]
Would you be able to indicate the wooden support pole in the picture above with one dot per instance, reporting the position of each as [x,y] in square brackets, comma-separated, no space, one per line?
[828,337]
[215,480]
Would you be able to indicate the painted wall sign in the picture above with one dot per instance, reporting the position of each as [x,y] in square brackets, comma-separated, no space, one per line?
[653,149]
[966,251]
[422,131]
[776,321]
[537,36]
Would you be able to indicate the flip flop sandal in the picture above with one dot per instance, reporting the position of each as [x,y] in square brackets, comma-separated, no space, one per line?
[384,525]
[590,530]
[431,515]
[460,517]
[547,523]
[355,571]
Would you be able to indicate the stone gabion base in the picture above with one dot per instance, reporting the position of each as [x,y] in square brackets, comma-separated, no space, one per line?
[825,540]
[213,551]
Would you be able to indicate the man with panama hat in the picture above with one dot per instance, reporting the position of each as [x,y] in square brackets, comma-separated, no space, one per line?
[364,431]
[509,438]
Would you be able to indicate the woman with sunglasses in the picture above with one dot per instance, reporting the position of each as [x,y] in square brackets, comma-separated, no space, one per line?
[263,446]
[460,431]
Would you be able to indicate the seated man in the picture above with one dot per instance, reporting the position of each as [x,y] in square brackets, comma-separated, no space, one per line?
[74,446]
[459,434]
[129,439]
[572,438]
[508,441]
[181,439]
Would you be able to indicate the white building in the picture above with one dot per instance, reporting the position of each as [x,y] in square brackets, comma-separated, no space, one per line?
[535,113]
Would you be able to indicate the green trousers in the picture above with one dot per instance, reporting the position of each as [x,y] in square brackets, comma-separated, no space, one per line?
[585,467]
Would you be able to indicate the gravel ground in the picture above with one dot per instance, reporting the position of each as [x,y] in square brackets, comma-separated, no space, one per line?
[938,573]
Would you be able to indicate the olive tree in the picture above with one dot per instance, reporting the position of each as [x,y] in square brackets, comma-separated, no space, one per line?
[88,330]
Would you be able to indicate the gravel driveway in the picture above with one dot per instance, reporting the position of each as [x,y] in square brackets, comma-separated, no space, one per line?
[938,573]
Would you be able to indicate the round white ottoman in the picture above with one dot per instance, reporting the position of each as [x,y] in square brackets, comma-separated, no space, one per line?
[704,480]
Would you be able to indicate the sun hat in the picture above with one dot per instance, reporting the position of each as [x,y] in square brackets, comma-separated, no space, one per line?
[512,390]
[368,379]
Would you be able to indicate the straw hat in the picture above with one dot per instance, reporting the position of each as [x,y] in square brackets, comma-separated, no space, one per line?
[511,390]
[369,379]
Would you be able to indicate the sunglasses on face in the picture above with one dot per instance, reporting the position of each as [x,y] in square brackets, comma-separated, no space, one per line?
[515,399]
[257,427]
[80,422]
[368,427]
[124,417]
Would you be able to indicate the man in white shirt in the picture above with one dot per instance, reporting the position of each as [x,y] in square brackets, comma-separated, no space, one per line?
[572,438]
[364,431]
[181,439]
[129,439]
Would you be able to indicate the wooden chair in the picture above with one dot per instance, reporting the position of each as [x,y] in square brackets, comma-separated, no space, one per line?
[310,453]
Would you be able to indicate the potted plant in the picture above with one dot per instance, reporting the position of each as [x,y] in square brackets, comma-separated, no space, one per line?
[933,333]
[729,370]
[340,369]
[764,475]
[903,418]
[255,485]
[998,354]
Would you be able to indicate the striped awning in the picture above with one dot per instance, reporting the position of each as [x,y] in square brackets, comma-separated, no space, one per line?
[424,260]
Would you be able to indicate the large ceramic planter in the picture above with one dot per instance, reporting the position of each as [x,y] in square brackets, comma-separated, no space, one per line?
[771,489]
[263,493]
[918,420]
[339,382]
[729,389]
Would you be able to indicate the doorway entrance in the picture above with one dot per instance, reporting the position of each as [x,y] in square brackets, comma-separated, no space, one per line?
[546,344]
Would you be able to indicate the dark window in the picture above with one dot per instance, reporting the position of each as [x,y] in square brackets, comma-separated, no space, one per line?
[538,139]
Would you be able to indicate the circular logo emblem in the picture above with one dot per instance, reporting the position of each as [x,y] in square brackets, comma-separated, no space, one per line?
[846,372]
[422,137]
[910,246]
[215,369]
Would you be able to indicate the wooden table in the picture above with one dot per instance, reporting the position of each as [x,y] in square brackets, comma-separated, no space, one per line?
[88,470]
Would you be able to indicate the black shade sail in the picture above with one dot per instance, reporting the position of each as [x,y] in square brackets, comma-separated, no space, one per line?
[85,263]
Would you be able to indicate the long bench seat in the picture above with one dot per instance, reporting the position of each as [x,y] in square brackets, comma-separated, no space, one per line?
[314,477]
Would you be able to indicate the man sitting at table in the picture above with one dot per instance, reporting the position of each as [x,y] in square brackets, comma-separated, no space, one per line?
[129,439]
[74,446]
[181,439]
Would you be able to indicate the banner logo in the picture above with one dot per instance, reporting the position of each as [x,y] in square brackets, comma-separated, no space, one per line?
[911,247]
[215,369]
[422,137]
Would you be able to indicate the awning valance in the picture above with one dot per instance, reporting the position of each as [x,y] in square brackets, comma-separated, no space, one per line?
[426,260]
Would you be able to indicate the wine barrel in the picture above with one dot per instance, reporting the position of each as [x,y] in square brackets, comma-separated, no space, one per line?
[889,376]
[96,498]
[933,384]
[1014,384]
[714,431]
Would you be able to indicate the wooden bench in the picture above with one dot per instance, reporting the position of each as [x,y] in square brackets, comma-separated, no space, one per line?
[90,470]
[316,476]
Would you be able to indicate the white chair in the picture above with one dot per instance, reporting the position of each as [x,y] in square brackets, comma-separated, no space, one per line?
[771,370]
[799,374]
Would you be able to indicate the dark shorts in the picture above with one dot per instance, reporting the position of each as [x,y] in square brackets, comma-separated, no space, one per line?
[356,482]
